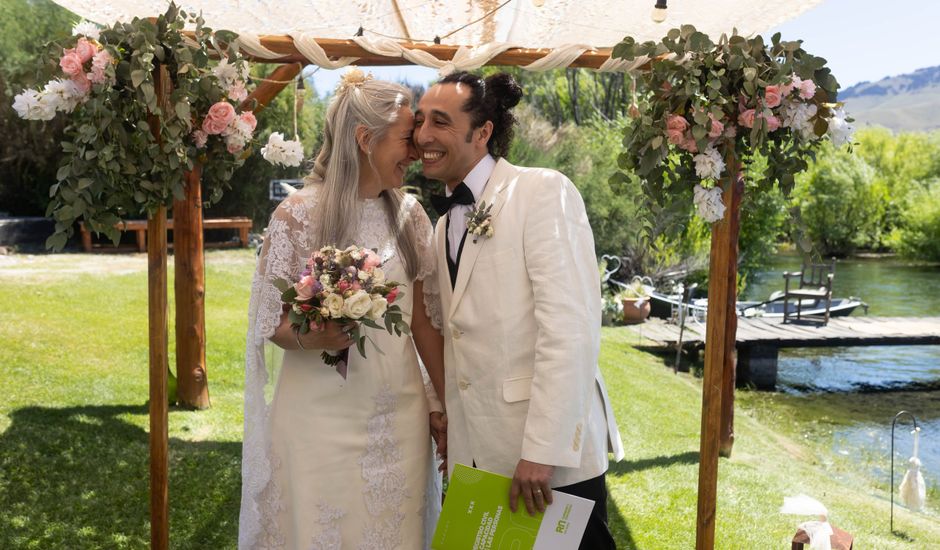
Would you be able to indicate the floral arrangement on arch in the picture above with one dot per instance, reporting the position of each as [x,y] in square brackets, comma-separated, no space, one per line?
[115,167]
[714,104]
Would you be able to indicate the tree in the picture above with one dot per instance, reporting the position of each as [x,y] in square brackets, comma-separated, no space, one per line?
[29,153]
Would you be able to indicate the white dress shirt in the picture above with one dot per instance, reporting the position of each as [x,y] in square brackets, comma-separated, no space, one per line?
[476,181]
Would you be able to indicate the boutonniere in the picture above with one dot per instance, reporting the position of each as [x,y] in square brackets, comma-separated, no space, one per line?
[479,222]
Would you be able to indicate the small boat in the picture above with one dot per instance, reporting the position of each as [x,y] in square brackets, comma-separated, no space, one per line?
[664,306]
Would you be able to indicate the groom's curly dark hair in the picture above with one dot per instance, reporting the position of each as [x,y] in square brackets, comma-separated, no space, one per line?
[490,99]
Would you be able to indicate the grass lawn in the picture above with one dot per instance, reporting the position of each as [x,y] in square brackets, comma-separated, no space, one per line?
[73,429]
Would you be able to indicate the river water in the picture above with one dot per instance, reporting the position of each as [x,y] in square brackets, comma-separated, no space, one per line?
[873,381]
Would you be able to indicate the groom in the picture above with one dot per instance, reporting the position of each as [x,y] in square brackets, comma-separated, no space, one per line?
[524,395]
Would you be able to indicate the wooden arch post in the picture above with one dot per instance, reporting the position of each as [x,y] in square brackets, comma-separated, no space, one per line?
[157,307]
[721,326]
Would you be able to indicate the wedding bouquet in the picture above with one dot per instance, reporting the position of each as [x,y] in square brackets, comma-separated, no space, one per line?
[347,286]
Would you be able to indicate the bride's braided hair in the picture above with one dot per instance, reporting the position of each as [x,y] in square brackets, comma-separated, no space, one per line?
[490,99]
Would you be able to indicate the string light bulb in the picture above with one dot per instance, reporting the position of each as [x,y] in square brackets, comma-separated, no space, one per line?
[538,3]
[659,11]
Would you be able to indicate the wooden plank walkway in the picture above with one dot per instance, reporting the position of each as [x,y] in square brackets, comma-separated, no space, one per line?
[758,340]
[841,331]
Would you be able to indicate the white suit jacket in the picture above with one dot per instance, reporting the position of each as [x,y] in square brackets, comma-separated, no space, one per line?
[522,334]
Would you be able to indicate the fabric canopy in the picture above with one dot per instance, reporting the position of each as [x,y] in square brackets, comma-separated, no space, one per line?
[598,23]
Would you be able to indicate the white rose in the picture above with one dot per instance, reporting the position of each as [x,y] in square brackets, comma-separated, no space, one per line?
[325,311]
[378,276]
[334,303]
[379,306]
[357,305]
[324,279]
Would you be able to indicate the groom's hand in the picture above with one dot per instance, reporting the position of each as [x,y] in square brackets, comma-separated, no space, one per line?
[533,482]
[438,422]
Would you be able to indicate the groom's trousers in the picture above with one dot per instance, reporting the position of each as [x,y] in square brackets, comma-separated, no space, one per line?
[597,535]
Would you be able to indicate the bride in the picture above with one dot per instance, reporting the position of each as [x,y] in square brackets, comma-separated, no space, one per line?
[331,462]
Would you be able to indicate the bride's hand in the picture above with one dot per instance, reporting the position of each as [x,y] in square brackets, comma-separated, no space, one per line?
[334,336]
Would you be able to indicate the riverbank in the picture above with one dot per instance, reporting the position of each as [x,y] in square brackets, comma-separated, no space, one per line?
[73,429]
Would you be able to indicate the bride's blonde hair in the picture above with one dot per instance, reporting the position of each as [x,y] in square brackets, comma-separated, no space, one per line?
[360,100]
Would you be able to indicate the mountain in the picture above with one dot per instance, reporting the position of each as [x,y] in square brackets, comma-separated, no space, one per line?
[907,102]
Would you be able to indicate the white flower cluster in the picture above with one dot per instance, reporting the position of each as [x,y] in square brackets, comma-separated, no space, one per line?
[709,164]
[232,79]
[798,115]
[87,29]
[238,134]
[57,95]
[279,151]
[708,203]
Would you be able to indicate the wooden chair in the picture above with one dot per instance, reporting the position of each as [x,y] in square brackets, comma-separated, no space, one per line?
[813,282]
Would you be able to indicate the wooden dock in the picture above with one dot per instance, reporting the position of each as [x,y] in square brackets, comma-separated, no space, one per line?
[759,340]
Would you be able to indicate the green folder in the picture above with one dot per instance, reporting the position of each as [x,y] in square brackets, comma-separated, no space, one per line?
[476,516]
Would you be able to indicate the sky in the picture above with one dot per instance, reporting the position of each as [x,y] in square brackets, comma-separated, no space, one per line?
[861,39]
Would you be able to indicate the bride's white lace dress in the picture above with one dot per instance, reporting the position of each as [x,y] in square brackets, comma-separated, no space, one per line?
[331,463]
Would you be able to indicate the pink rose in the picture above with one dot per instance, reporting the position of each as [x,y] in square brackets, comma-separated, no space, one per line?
[716,128]
[746,118]
[82,83]
[85,50]
[200,138]
[773,123]
[304,288]
[731,131]
[772,96]
[675,129]
[234,147]
[371,260]
[689,144]
[219,117]
[807,89]
[786,88]
[390,297]
[249,118]
[355,286]
[238,92]
[71,64]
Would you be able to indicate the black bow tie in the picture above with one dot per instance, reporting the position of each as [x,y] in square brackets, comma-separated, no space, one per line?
[461,195]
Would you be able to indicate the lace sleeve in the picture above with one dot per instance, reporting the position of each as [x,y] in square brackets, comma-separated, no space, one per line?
[427,260]
[285,247]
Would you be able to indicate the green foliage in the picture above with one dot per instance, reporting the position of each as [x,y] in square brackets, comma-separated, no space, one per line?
[125,154]
[698,89]
[840,207]
[918,237]
[28,151]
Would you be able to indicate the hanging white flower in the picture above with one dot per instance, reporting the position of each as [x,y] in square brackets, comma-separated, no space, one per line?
[33,105]
[708,164]
[708,203]
[286,153]
[840,131]
[87,29]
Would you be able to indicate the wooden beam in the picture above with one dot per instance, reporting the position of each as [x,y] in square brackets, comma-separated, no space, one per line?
[159,365]
[721,307]
[189,284]
[335,48]
[270,86]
